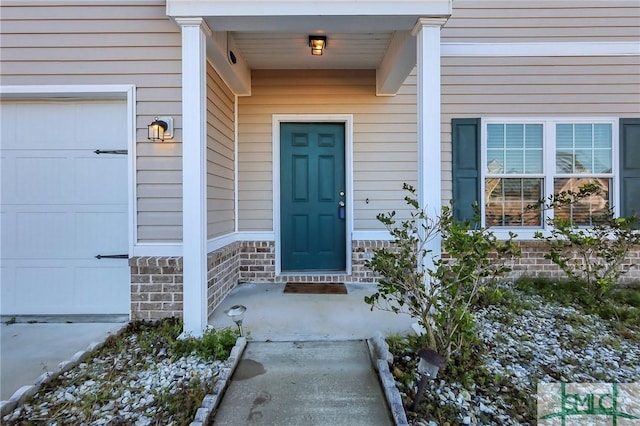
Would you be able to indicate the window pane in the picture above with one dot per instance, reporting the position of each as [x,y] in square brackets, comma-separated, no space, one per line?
[602,136]
[495,136]
[583,136]
[495,161]
[602,161]
[564,161]
[564,136]
[507,202]
[533,136]
[583,148]
[583,162]
[589,210]
[515,136]
[514,161]
[533,161]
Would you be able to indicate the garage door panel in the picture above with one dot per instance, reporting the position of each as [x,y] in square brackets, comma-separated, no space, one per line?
[106,283]
[100,233]
[7,234]
[109,135]
[42,180]
[34,290]
[61,206]
[44,235]
[49,130]
[8,122]
[90,175]
[8,294]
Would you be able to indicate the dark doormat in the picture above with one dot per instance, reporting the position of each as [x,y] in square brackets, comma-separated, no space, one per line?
[315,288]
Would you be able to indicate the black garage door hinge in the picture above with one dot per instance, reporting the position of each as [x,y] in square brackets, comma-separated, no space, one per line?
[112,256]
[111,151]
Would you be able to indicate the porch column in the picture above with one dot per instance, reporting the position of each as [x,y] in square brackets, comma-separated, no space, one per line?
[427,32]
[194,174]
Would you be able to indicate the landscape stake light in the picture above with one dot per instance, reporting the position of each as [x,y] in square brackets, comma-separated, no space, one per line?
[236,313]
[428,366]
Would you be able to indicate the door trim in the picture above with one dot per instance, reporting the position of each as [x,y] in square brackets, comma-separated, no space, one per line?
[347,120]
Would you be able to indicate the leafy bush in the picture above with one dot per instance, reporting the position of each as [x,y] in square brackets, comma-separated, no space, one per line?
[441,297]
[592,254]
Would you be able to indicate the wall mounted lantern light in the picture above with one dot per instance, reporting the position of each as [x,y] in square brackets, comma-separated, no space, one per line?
[317,44]
[160,129]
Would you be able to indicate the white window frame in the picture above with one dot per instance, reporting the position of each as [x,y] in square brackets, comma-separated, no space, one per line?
[548,165]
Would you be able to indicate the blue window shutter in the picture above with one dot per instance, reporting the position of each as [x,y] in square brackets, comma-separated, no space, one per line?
[465,134]
[630,167]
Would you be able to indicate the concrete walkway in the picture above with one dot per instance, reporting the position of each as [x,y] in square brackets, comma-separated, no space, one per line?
[28,350]
[307,362]
[304,383]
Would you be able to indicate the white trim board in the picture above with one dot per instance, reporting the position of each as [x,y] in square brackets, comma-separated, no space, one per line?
[594,48]
[347,120]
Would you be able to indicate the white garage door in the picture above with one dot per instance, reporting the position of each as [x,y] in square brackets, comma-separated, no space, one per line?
[62,205]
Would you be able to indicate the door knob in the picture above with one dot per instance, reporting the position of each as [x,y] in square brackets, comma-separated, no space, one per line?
[341,203]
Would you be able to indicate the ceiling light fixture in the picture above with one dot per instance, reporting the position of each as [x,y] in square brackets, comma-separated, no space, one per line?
[317,44]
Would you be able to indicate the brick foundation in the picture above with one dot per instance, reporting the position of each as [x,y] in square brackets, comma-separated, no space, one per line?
[533,264]
[156,287]
[156,282]
[223,268]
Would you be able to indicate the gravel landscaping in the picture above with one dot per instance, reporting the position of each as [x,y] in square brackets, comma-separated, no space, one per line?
[142,377]
[146,376]
[527,341]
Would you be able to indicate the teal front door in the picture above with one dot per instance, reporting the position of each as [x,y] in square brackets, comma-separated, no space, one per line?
[312,197]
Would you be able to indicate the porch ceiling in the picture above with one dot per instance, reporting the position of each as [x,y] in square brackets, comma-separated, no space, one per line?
[290,50]
[363,34]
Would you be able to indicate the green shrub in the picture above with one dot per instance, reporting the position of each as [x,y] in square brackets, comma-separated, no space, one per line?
[593,254]
[441,297]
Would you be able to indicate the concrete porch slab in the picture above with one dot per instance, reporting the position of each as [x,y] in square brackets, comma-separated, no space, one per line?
[275,316]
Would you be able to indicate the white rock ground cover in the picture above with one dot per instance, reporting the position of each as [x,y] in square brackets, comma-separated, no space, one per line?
[136,379]
[533,342]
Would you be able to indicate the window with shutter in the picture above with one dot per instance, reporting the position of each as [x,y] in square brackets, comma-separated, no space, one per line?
[509,164]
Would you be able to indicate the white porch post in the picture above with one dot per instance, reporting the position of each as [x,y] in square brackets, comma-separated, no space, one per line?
[427,32]
[194,174]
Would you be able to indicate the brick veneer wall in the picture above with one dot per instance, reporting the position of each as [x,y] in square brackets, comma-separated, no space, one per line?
[223,269]
[156,287]
[258,260]
[533,264]
[156,282]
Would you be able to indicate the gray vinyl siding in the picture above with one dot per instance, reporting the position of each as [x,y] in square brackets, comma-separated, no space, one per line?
[220,156]
[126,43]
[475,21]
[384,138]
[535,87]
